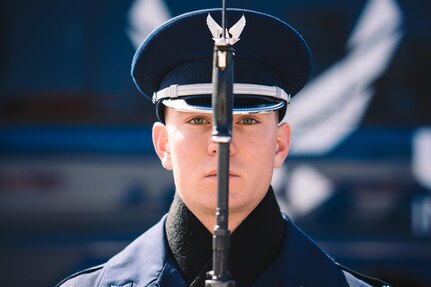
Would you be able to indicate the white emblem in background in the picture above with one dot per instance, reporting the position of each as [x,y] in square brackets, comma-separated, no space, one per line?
[331,107]
[232,36]
[144,17]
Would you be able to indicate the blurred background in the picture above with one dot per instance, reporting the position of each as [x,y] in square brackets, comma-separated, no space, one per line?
[79,178]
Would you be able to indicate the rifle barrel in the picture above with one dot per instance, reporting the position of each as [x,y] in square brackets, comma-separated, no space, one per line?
[222,104]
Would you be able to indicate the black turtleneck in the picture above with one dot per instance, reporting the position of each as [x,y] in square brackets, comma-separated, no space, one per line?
[255,244]
[189,242]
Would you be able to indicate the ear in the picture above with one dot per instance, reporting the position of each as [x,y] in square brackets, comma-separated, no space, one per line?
[161,144]
[283,144]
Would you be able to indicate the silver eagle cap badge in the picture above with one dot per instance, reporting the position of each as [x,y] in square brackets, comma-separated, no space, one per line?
[232,35]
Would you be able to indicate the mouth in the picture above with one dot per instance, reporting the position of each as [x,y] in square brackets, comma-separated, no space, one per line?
[214,174]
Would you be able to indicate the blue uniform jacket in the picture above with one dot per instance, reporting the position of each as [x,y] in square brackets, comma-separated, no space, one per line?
[145,262]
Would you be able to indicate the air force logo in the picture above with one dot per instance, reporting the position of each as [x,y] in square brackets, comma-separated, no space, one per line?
[232,36]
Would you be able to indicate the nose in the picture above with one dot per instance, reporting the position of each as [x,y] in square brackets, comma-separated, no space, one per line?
[213,147]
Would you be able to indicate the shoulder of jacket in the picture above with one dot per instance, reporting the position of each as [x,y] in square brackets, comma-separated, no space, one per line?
[86,277]
[356,279]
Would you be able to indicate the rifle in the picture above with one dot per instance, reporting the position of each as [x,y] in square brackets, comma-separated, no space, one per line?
[222,105]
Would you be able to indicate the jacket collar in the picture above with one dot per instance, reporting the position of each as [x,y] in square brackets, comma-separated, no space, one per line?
[145,263]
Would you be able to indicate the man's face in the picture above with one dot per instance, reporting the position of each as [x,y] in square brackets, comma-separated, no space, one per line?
[184,145]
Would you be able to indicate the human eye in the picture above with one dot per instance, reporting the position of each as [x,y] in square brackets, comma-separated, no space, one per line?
[248,121]
[198,121]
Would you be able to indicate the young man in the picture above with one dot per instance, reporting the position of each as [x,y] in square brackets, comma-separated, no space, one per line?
[173,67]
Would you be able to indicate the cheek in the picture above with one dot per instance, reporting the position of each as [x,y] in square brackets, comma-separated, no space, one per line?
[185,149]
[174,145]
[263,144]
[258,151]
